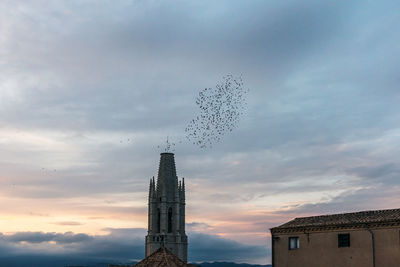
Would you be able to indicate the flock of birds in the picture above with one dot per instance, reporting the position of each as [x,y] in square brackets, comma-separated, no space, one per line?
[220,110]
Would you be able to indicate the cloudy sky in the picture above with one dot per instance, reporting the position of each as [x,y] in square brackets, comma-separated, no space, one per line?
[90,89]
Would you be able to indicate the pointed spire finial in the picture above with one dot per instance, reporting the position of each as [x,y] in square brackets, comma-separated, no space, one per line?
[167,149]
[183,189]
[151,191]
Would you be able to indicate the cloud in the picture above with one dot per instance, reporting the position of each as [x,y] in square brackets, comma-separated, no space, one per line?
[39,237]
[133,47]
[382,172]
[71,223]
[198,226]
[205,247]
[119,245]
[339,204]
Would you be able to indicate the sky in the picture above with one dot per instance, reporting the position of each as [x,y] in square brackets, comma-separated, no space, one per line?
[89,90]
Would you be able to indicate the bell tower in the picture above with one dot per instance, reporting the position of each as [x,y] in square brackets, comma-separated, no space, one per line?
[166,215]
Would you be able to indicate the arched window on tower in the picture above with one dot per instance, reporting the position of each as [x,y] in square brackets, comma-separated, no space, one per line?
[158,221]
[170,220]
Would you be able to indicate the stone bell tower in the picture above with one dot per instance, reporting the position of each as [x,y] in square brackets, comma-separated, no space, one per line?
[166,218]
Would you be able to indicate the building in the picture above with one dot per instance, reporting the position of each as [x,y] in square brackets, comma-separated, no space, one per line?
[166,215]
[365,239]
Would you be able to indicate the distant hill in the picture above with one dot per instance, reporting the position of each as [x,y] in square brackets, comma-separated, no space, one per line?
[64,261]
[230,264]
[206,264]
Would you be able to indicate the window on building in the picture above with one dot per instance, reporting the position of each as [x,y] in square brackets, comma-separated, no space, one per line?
[158,221]
[343,240]
[294,242]
[170,220]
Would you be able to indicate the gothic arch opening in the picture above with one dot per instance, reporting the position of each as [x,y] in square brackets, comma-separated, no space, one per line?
[170,220]
[158,221]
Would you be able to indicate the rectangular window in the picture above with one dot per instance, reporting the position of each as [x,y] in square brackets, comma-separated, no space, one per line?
[294,242]
[343,240]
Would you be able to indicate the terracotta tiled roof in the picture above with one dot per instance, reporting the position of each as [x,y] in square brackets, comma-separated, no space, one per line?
[374,217]
[161,258]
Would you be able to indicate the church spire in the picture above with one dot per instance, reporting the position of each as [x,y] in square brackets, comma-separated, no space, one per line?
[166,173]
[167,210]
